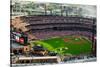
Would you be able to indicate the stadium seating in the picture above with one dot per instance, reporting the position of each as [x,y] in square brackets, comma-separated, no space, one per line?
[44,27]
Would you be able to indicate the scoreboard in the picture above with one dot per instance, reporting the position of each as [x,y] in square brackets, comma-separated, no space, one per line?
[20,38]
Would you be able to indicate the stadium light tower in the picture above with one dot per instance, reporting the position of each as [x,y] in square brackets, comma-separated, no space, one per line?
[61,7]
[45,8]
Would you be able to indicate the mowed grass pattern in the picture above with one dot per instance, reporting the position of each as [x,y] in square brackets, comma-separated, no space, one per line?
[74,45]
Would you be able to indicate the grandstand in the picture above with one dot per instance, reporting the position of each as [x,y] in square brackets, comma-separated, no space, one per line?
[40,25]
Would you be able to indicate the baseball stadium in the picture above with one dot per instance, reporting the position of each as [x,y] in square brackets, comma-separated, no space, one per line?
[72,38]
[51,33]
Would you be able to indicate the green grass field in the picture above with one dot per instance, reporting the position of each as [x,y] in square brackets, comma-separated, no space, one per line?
[72,45]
